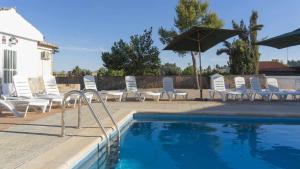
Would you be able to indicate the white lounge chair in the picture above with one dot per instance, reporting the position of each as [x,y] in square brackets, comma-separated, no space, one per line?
[256,90]
[10,104]
[294,92]
[131,88]
[52,89]
[240,85]
[89,83]
[218,87]
[168,89]
[24,96]
[274,89]
[23,90]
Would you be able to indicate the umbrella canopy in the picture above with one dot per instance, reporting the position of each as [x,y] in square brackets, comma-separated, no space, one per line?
[200,39]
[207,37]
[283,41]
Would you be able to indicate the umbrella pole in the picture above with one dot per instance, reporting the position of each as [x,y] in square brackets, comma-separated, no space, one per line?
[200,76]
[200,67]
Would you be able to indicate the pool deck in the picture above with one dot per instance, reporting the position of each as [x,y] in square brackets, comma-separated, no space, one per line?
[37,143]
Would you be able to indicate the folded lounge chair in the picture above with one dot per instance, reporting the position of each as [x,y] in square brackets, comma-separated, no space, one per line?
[218,87]
[89,83]
[131,87]
[168,89]
[240,86]
[274,89]
[256,90]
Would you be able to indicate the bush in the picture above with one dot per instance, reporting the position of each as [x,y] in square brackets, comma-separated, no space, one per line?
[188,70]
[169,69]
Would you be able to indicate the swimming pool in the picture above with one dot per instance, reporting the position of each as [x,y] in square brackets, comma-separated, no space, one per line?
[186,142]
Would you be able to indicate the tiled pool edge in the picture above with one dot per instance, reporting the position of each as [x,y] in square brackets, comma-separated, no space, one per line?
[67,160]
[79,158]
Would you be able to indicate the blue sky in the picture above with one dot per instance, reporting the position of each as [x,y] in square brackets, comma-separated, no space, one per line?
[85,28]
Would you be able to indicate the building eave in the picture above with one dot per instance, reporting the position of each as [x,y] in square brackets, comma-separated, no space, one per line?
[48,45]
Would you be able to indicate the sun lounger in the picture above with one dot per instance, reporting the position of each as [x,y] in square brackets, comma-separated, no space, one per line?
[131,88]
[256,90]
[240,86]
[10,104]
[168,89]
[274,89]
[23,91]
[89,83]
[218,87]
[52,89]
[294,92]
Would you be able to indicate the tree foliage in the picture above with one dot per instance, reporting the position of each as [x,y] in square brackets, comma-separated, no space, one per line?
[188,70]
[294,63]
[243,53]
[138,57]
[190,13]
[170,69]
[77,71]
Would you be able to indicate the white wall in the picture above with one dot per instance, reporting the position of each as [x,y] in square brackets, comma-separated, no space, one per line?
[29,62]
[45,66]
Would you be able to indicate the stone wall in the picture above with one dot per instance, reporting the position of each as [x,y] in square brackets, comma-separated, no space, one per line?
[181,82]
[117,83]
[37,86]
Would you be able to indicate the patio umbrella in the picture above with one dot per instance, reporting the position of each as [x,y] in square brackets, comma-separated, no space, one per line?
[200,39]
[283,41]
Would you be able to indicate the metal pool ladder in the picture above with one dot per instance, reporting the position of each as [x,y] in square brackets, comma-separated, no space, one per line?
[83,97]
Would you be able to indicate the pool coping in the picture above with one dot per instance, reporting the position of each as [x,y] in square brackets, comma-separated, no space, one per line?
[64,156]
[72,157]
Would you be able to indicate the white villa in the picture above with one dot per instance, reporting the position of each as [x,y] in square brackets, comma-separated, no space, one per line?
[23,49]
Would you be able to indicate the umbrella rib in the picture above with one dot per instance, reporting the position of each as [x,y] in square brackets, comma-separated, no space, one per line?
[206,35]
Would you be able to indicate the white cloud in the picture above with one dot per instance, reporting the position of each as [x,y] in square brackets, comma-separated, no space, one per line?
[81,49]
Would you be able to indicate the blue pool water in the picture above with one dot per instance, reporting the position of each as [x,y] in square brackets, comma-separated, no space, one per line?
[208,144]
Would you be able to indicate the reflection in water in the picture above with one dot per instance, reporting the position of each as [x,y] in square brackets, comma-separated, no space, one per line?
[157,145]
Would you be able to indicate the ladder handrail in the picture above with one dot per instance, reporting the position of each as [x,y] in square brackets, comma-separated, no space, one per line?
[105,106]
[82,95]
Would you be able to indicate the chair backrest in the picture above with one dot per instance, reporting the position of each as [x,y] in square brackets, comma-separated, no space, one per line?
[240,83]
[255,84]
[131,83]
[89,82]
[272,84]
[218,83]
[22,87]
[168,84]
[50,85]
[297,84]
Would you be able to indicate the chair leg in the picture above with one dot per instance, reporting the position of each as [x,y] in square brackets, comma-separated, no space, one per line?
[105,99]
[26,111]
[223,96]
[75,102]
[210,95]
[168,94]
[44,108]
[120,98]
[50,106]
